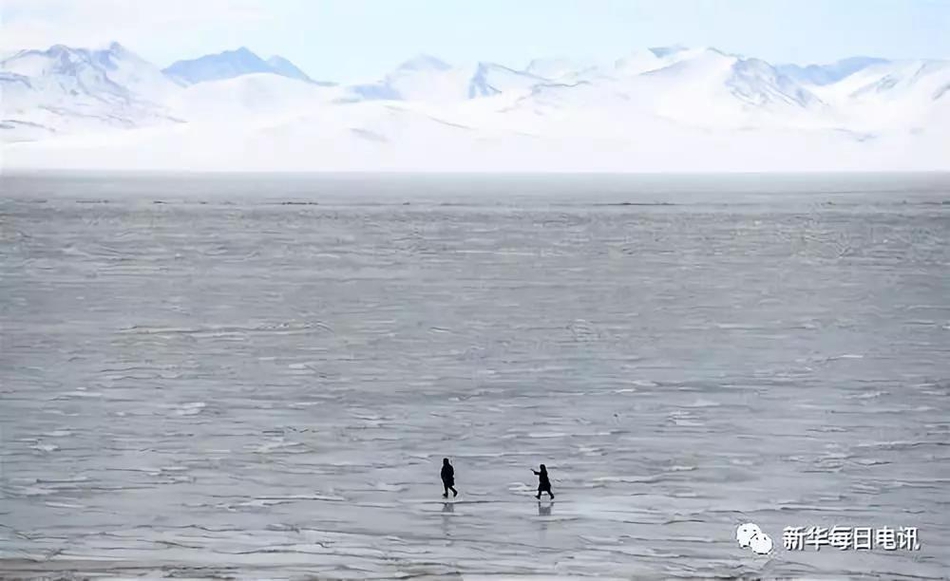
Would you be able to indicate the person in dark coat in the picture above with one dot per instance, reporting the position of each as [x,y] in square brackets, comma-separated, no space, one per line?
[448,479]
[544,483]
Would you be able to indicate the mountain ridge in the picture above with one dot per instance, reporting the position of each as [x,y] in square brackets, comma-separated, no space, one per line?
[661,94]
[232,63]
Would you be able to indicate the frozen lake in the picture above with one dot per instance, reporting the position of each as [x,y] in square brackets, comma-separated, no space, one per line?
[226,384]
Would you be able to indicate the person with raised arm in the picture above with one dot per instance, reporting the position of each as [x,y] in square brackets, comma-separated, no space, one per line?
[544,483]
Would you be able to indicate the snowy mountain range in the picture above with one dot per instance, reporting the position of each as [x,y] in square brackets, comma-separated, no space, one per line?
[230,64]
[660,109]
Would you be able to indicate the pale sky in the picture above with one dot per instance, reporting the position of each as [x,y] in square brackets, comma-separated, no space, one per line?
[350,40]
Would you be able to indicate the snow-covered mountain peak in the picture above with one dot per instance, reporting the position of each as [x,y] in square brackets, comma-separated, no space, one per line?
[214,67]
[56,51]
[758,83]
[116,49]
[421,78]
[693,66]
[428,79]
[424,62]
[667,51]
[233,63]
[34,62]
[494,79]
[550,68]
[923,80]
[65,89]
[115,56]
[638,62]
[656,59]
[114,70]
[821,75]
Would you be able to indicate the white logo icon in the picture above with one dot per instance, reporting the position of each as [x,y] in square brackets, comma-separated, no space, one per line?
[750,536]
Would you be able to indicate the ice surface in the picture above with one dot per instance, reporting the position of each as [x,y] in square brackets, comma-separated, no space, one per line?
[221,387]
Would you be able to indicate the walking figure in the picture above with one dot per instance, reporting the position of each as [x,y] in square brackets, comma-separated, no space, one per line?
[448,479]
[544,483]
